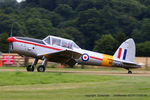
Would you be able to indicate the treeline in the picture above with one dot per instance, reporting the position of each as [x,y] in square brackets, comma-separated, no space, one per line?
[99,25]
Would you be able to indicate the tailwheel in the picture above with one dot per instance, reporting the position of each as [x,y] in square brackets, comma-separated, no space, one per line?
[41,68]
[129,72]
[30,68]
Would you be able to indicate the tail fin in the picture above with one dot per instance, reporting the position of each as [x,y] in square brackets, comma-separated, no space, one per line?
[126,51]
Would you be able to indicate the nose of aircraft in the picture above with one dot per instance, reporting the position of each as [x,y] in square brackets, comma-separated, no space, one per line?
[11,39]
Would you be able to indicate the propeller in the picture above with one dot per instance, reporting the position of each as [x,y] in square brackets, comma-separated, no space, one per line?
[10,43]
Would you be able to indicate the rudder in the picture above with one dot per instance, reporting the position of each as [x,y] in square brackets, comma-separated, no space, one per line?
[126,51]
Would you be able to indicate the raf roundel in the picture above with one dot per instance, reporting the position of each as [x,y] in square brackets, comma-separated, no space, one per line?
[85,57]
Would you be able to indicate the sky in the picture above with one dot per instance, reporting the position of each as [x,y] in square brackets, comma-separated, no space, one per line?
[19,0]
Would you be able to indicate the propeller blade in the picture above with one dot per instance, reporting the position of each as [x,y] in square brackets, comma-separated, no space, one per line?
[10,47]
[11,34]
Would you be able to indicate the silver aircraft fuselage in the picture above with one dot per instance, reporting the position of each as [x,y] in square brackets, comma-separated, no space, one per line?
[41,48]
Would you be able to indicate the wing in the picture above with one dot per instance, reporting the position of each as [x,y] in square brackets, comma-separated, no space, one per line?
[65,57]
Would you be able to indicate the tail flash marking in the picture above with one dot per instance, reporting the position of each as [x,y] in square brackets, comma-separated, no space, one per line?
[119,53]
[125,53]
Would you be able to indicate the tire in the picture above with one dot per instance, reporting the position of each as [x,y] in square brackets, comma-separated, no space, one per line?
[41,68]
[30,68]
[129,72]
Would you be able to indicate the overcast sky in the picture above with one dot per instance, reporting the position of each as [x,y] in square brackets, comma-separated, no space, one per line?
[19,0]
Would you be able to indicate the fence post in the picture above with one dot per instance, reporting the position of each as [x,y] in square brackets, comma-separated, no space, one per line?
[146,65]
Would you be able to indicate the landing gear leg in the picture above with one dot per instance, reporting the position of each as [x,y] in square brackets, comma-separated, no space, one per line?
[129,72]
[30,68]
[41,68]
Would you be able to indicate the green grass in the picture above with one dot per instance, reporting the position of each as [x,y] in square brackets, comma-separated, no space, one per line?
[68,86]
[28,78]
[10,67]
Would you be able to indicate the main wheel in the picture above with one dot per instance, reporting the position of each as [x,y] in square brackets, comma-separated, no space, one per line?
[129,72]
[41,68]
[30,68]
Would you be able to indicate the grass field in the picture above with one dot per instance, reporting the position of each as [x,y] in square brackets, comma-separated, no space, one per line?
[72,69]
[72,86]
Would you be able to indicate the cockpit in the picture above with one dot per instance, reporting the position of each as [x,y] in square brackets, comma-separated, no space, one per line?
[66,43]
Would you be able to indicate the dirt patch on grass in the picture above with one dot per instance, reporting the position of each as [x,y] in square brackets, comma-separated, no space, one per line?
[115,73]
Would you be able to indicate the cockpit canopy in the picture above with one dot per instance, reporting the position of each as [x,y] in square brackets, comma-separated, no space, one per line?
[53,40]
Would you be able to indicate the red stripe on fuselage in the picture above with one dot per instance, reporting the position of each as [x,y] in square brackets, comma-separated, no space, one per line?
[49,47]
[38,45]
[119,53]
[96,58]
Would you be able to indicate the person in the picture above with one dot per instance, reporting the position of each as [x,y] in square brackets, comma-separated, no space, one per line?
[66,45]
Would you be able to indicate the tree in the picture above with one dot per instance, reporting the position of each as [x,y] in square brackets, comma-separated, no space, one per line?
[145,29]
[105,44]
[108,20]
[39,28]
[130,7]
[88,24]
[33,1]
[127,24]
[143,49]
[64,10]
[85,5]
[68,23]
[100,4]
[145,2]
[8,10]
[55,18]
[74,3]
[137,35]
[120,37]
[8,3]
[93,23]
[5,23]
[142,34]
[48,4]
[3,42]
